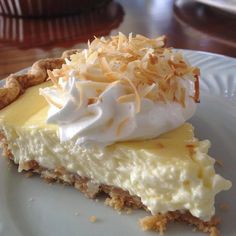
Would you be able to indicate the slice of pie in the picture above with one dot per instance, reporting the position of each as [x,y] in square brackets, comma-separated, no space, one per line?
[112,118]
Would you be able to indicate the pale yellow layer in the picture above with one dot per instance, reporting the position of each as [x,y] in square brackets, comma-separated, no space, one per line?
[28,110]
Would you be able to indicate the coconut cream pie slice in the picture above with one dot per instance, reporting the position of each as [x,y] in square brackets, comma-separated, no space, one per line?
[112,118]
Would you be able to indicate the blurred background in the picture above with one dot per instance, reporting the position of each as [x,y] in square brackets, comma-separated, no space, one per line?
[35,29]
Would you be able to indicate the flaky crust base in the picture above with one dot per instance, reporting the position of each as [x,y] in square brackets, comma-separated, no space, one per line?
[117,198]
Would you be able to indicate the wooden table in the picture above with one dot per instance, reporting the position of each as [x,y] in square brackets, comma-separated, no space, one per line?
[187,24]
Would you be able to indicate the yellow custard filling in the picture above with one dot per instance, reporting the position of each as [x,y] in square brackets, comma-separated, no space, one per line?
[29,109]
[171,172]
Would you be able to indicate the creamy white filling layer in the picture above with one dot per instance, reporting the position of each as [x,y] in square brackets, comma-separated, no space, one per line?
[163,184]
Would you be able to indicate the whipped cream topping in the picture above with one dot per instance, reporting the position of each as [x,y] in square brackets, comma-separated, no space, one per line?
[121,89]
[107,121]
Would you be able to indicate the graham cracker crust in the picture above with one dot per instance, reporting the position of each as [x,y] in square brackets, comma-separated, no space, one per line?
[116,197]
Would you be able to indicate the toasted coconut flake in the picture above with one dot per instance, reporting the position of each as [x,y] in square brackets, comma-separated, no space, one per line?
[92,100]
[182,97]
[81,94]
[111,76]
[54,79]
[126,98]
[197,90]
[109,123]
[147,89]
[143,65]
[121,39]
[153,59]
[137,96]
[104,65]
[121,126]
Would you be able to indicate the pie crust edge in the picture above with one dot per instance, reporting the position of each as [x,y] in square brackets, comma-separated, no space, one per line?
[16,84]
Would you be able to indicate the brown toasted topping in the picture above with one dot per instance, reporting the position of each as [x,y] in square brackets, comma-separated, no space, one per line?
[153,59]
[197,89]
[133,61]
[137,96]
[126,98]
[92,100]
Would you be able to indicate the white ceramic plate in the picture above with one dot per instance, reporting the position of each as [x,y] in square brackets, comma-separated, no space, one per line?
[224,5]
[30,207]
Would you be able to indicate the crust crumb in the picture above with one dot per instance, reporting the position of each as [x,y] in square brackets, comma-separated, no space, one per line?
[3,144]
[214,231]
[115,202]
[156,223]
[159,222]
[224,206]
[160,145]
[93,219]
[29,165]
[219,163]
[28,174]
[49,180]
[129,211]
[60,170]
[83,185]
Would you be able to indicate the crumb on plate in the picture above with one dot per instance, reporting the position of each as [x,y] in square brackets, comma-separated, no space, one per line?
[92,219]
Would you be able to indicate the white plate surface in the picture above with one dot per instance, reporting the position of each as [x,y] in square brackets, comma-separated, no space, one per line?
[30,207]
[224,5]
